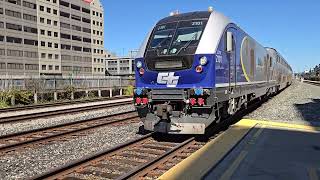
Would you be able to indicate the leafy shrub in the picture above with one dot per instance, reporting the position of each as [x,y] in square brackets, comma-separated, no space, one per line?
[128,91]
[69,90]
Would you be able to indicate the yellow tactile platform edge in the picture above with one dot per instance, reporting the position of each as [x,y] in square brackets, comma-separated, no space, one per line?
[200,162]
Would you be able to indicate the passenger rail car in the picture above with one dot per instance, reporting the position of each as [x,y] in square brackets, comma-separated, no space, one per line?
[195,69]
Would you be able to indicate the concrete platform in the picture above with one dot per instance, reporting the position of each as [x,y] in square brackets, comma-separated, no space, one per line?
[251,150]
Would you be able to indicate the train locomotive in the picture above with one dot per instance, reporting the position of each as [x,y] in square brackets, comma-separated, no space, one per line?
[195,69]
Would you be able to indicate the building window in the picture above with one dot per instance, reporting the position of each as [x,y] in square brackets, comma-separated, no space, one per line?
[30,30]
[87,40]
[86,20]
[1,38]
[14,40]
[65,46]
[87,30]
[49,56]
[48,10]
[57,68]
[1,10]
[1,24]
[2,52]
[76,48]
[49,33]
[15,53]
[17,2]
[56,56]
[55,34]
[43,43]
[75,7]
[75,17]
[86,49]
[15,66]
[41,8]
[30,17]
[49,44]
[43,55]
[13,13]
[64,25]
[44,67]
[30,42]
[94,22]
[14,27]
[55,11]
[77,38]
[50,67]
[29,5]
[65,36]
[86,10]
[77,28]
[30,54]
[42,20]
[42,32]
[93,12]
[56,45]
[67,15]
[48,21]
[55,23]
[63,3]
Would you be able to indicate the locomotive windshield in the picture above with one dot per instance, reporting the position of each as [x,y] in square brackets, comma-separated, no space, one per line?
[172,38]
[173,44]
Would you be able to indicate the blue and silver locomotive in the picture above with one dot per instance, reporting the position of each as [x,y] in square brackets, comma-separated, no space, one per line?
[195,69]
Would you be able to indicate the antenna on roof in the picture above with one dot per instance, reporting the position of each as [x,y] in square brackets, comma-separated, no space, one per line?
[210,9]
[173,13]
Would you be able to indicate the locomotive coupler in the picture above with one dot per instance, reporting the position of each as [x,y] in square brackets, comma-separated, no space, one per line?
[164,111]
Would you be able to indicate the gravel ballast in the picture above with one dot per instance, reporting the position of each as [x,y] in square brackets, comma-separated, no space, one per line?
[65,118]
[299,103]
[46,109]
[26,164]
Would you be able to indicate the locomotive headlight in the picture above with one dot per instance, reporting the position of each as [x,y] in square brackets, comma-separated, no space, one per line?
[203,60]
[139,64]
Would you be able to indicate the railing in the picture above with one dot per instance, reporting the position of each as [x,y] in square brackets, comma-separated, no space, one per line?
[43,84]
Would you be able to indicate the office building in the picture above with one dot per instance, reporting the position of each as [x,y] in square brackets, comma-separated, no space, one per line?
[51,37]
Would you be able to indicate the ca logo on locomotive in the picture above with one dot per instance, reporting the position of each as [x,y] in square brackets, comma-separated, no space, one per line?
[168,78]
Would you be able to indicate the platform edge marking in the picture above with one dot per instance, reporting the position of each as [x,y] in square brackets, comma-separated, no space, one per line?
[287,125]
[199,163]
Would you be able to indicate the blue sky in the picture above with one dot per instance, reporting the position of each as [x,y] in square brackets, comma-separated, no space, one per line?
[292,27]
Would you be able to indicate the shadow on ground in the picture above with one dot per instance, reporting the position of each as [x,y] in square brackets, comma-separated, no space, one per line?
[310,111]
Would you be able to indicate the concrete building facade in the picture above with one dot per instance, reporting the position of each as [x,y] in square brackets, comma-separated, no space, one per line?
[51,37]
[120,66]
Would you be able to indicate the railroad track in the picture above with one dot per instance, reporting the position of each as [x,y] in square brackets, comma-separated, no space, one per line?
[46,114]
[23,140]
[147,157]
[130,160]
[63,103]
[316,83]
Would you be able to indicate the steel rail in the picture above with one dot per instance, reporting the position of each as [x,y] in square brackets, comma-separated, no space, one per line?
[20,140]
[46,114]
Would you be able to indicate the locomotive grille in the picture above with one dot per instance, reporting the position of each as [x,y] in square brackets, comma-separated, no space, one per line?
[169,63]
